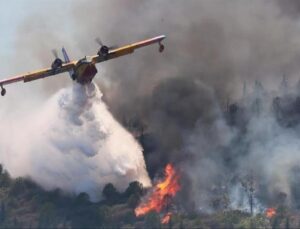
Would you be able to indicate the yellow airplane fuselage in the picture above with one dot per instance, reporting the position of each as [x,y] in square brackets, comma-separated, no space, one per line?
[85,71]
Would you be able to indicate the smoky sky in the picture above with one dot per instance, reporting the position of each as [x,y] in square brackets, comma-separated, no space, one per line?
[290,8]
[215,52]
[223,43]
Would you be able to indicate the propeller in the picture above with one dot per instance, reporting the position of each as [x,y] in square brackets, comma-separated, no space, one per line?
[99,42]
[104,50]
[57,63]
[55,53]
[113,47]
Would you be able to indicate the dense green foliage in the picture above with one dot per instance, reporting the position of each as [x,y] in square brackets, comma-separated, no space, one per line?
[24,204]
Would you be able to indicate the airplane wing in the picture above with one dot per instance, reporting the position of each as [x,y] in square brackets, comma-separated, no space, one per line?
[69,66]
[122,51]
[38,74]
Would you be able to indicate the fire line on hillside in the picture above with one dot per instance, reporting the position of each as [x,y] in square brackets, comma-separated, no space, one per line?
[160,195]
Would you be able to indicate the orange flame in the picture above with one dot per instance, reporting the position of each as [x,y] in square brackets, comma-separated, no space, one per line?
[166,218]
[163,190]
[270,212]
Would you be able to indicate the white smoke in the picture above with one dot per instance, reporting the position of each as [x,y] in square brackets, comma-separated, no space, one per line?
[73,143]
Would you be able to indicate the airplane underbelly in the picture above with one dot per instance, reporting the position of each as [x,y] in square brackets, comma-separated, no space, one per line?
[85,73]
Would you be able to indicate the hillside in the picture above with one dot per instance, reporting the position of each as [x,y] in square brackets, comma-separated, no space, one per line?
[24,204]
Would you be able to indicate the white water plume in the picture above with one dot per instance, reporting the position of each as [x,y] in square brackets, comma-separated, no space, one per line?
[73,143]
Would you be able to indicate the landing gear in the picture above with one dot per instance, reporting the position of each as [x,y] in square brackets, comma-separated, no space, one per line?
[161,47]
[3,91]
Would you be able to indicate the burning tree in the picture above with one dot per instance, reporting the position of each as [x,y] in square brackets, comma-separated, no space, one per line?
[270,212]
[161,195]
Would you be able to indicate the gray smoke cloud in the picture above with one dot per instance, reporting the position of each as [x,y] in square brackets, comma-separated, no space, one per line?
[213,49]
[182,97]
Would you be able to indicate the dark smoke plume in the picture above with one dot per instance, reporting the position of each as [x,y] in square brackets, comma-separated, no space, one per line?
[202,104]
[216,51]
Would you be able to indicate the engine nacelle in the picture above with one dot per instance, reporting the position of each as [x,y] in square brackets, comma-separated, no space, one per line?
[57,63]
[104,50]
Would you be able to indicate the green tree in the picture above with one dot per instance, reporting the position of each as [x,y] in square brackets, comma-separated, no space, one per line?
[287,223]
[47,216]
[82,199]
[5,179]
[104,213]
[111,194]
[2,212]
[152,220]
[258,221]
[276,222]
[17,187]
[248,185]
[134,188]
[86,217]
[133,201]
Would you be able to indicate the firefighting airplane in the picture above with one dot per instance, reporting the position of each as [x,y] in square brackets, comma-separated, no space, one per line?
[84,70]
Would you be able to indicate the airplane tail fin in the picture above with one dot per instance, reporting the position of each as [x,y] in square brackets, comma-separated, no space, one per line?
[66,57]
[67,60]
